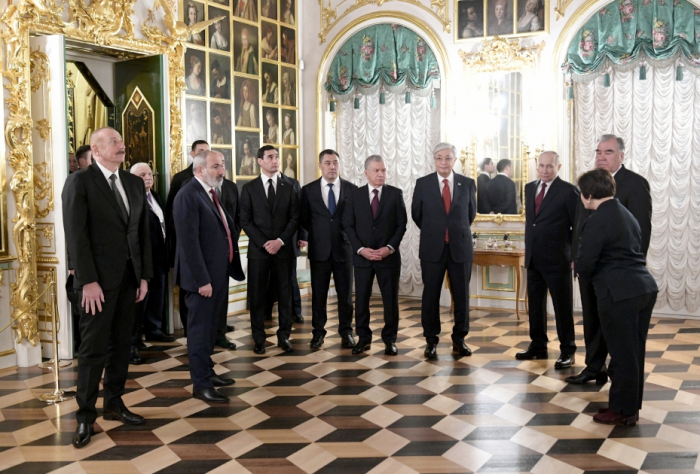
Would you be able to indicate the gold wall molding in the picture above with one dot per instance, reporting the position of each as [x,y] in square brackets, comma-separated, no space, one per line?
[502,54]
[51,260]
[330,16]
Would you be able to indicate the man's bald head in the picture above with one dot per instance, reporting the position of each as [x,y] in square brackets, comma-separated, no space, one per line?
[108,148]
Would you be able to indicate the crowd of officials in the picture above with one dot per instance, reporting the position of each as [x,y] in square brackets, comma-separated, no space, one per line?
[123,242]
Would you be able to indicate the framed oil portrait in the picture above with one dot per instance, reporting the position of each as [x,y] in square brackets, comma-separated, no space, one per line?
[288,91]
[269,9]
[269,45]
[139,130]
[530,16]
[270,88]
[240,183]
[246,9]
[289,127]
[247,145]
[470,15]
[287,13]
[288,52]
[271,135]
[246,102]
[195,120]
[195,72]
[219,76]
[220,123]
[245,48]
[193,12]
[220,31]
[228,163]
[500,17]
[288,162]
[223,3]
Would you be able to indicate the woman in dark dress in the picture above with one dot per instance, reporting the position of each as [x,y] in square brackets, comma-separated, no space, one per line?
[610,256]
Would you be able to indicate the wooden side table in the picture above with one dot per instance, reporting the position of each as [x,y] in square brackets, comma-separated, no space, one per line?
[512,258]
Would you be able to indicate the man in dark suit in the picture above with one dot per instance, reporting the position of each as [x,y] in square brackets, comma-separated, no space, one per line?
[375,222]
[106,225]
[149,313]
[207,252]
[330,252]
[501,190]
[444,206]
[550,216]
[632,190]
[482,183]
[177,182]
[270,218]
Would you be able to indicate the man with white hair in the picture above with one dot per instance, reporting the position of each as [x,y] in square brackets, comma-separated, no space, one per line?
[444,206]
[149,314]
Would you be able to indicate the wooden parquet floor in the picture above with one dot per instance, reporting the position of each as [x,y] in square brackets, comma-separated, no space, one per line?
[329,412]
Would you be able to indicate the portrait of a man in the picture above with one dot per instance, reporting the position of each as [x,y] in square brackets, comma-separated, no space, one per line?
[288,52]
[500,17]
[220,77]
[269,48]
[245,49]
[270,91]
[220,123]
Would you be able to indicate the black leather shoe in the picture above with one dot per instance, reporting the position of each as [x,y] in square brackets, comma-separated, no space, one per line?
[159,338]
[298,318]
[583,377]
[221,381]
[82,435]
[285,345]
[230,328]
[361,346]
[461,348]
[259,348]
[140,346]
[390,349]
[135,357]
[225,344]
[316,342]
[565,361]
[348,341]
[121,413]
[430,351]
[210,395]
[531,354]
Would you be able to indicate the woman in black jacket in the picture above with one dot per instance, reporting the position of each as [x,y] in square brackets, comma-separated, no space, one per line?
[610,256]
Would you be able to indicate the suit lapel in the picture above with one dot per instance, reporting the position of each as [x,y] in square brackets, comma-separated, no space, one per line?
[457,185]
[210,202]
[130,193]
[549,195]
[383,197]
[317,194]
[364,202]
[282,186]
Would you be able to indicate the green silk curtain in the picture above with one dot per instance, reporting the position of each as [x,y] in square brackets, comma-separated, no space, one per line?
[624,29]
[392,54]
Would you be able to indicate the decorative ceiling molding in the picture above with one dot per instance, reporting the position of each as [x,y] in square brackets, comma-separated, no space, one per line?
[330,16]
[502,54]
[562,5]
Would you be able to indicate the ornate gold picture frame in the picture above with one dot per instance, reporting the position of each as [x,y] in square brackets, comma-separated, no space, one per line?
[479,19]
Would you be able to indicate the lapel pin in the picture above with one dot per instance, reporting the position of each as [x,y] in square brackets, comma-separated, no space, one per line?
[459,184]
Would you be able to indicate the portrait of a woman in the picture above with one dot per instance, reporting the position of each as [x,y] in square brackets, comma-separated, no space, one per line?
[249,164]
[288,92]
[475,24]
[531,19]
[218,38]
[290,165]
[193,16]
[247,108]
[269,9]
[287,12]
[195,80]
[502,21]
[247,61]
[288,137]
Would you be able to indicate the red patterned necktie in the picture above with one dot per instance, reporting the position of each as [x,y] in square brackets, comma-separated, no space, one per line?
[223,219]
[375,203]
[447,202]
[539,198]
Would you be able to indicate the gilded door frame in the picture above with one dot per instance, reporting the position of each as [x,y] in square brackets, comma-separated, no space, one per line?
[103,23]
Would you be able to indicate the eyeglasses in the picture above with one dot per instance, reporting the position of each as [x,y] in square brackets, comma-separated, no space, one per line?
[446,159]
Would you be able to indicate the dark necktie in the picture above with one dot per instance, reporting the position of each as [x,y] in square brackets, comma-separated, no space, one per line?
[331,199]
[540,198]
[270,194]
[375,203]
[223,219]
[447,202]
[118,196]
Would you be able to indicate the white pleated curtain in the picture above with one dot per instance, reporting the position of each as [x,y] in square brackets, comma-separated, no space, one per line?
[404,135]
[659,119]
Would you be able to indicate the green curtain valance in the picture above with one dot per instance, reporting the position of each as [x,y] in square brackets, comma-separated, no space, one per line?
[390,54]
[624,29]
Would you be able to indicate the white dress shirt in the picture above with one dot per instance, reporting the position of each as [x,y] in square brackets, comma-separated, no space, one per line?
[265,180]
[206,187]
[120,187]
[546,190]
[325,190]
[371,192]
[450,182]
[157,210]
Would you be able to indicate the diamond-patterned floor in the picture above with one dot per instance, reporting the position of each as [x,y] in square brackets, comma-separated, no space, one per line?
[332,412]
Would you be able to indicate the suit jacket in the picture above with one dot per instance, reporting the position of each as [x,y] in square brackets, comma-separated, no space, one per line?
[632,190]
[300,234]
[482,183]
[202,244]
[548,234]
[177,182]
[501,195]
[325,230]
[261,223]
[610,254]
[99,240]
[159,250]
[387,229]
[228,199]
[428,212]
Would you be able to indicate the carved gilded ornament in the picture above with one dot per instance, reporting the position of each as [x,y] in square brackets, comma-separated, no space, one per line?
[38,69]
[48,233]
[562,5]
[330,16]
[502,54]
